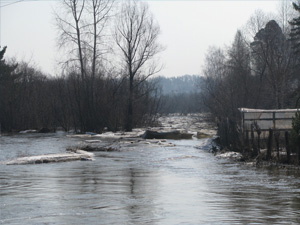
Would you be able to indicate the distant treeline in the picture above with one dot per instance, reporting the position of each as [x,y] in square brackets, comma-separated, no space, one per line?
[179,94]
[261,69]
[178,85]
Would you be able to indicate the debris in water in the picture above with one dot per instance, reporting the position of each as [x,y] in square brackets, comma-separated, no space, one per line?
[50,158]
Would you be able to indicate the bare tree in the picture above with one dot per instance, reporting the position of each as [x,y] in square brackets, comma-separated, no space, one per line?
[97,46]
[81,25]
[82,28]
[70,28]
[136,35]
[214,92]
[285,14]
[100,11]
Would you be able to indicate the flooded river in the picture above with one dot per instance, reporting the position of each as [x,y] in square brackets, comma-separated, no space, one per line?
[181,184]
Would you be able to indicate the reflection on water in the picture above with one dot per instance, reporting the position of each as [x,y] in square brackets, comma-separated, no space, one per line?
[141,185]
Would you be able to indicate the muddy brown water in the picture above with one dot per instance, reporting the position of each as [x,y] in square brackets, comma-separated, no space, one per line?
[183,184]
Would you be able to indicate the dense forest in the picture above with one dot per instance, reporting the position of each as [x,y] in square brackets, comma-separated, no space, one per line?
[32,100]
[93,91]
[259,70]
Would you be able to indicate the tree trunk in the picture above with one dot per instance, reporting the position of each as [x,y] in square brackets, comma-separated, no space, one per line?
[288,152]
[270,144]
[129,119]
[277,135]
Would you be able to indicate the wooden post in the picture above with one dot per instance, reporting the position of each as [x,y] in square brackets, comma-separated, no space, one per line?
[298,155]
[270,143]
[252,140]
[243,133]
[274,120]
[258,131]
[247,138]
[277,135]
[227,132]
[287,146]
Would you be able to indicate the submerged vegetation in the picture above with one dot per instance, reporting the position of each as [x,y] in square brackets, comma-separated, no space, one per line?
[31,100]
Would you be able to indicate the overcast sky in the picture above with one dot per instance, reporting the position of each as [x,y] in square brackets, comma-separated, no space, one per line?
[188,28]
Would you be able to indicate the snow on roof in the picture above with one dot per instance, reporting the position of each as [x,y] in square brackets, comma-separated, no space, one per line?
[247,110]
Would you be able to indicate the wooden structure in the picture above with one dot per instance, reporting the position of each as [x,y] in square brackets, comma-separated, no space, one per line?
[268,129]
[276,119]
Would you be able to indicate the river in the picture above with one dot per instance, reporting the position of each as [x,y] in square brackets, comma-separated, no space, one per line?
[181,184]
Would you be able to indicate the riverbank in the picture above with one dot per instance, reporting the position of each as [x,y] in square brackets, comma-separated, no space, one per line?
[258,162]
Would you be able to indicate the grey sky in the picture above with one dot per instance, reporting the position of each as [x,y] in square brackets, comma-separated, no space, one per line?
[188,29]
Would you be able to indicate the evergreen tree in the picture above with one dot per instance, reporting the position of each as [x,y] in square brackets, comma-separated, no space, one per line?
[7,78]
[5,70]
[295,31]
[273,63]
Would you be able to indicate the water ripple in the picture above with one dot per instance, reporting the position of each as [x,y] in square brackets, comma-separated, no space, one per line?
[143,185]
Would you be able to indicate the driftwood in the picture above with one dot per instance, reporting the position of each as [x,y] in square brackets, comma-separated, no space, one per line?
[50,158]
[94,148]
[166,135]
